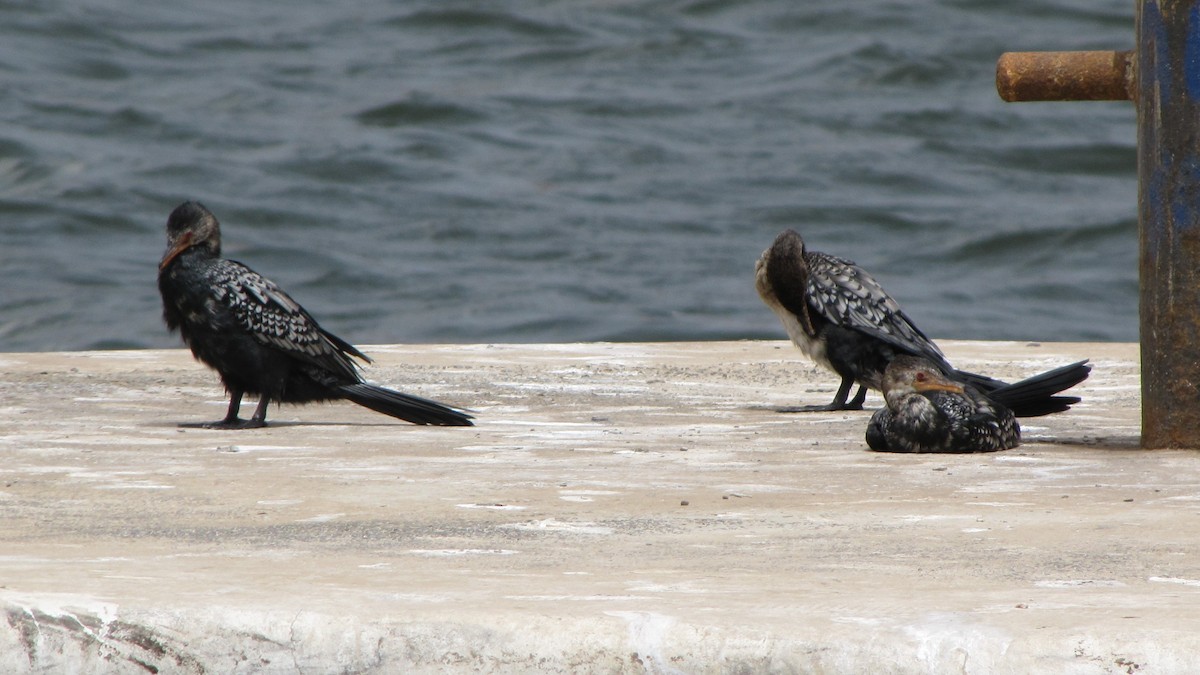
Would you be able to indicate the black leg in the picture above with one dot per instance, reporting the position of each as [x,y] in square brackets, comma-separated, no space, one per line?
[839,400]
[260,413]
[232,421]
[235,404]
[857,402]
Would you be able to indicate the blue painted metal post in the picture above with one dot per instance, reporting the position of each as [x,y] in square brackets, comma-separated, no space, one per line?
[1167,93]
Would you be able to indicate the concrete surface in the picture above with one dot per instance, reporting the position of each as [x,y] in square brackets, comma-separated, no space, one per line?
[619,508]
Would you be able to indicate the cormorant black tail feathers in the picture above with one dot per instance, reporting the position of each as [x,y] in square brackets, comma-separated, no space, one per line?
[980,382]
[1035,396]
[405,406]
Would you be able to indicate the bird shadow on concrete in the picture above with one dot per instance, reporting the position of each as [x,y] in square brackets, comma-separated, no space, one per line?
[199,426]
[800,410]
[1088,441]
[393,423]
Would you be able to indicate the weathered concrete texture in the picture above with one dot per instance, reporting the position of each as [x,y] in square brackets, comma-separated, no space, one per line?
[619,508]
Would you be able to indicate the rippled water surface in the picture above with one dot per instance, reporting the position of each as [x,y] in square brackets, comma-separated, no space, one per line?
[544,170]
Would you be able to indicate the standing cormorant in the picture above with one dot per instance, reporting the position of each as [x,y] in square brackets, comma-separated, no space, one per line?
[258,338]
[928,412]
[839,316]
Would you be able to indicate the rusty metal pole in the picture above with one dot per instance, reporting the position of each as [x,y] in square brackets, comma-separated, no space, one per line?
[1162,77]
[1168,95]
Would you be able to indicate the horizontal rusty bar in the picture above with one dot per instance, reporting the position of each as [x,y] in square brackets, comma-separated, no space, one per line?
[1065,76]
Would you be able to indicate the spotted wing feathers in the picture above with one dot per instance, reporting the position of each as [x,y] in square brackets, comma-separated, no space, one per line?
[945,422]
[276,320]
[846,295]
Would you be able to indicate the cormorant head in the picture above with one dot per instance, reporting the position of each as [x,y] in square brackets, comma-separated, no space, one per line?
[787,246]
[781,274]
[190,224]
[914,375]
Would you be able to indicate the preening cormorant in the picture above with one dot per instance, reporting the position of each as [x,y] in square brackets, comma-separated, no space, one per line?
[839,316]
[260,340]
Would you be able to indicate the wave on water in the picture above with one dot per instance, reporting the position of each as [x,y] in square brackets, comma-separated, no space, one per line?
[555,171]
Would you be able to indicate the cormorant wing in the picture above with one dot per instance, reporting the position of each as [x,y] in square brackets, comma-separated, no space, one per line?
[273,318]
[846,295]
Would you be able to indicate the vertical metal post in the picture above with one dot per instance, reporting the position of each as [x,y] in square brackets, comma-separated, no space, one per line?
[1167,92]
[1161,76]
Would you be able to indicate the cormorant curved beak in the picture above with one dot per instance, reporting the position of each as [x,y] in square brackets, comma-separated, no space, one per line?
[182,245]
[924,384]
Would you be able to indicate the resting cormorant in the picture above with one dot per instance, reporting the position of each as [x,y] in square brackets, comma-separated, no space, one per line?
[928,412]
[839,316]
[258,338]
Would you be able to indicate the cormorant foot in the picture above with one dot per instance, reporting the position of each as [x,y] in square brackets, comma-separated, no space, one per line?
[828,407]
[236,423]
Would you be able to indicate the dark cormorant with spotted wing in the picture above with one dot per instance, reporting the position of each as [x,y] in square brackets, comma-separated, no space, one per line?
[260,340]
[926,411]
[839,316]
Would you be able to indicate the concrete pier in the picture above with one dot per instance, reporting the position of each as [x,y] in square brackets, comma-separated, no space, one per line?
[619,508]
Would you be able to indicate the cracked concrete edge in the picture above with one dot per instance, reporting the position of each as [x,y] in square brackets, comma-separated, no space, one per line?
[100,638]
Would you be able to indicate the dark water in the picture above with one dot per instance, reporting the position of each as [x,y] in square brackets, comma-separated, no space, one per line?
[549,170]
